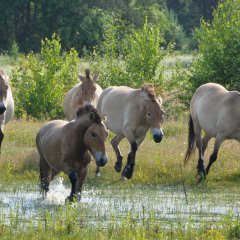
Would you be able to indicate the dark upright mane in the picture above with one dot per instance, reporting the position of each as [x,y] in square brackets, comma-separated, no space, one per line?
[149,89]
[88,108]
[87,72]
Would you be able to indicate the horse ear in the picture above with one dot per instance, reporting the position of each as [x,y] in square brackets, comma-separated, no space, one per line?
[95,77]
[92,116]
[81,77]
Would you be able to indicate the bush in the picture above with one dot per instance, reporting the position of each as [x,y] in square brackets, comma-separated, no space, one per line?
[40,83]
[219,46]
[132,64]
[14,50]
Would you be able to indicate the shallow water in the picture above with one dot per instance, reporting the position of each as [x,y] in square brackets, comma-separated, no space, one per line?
[166,205]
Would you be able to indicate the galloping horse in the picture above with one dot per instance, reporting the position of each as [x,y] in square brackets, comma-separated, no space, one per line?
[131,113]
[65,146]
[85,92]
[216,111]
[6,103]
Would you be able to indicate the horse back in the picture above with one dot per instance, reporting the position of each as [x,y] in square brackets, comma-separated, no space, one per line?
[118,105]
[213,107]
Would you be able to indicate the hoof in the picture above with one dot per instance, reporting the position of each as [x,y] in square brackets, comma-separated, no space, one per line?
[73,198]
[98,174]
[118,166]
[201,178]
[127,172]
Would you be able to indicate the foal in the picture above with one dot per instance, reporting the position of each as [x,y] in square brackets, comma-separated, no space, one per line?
[66,146]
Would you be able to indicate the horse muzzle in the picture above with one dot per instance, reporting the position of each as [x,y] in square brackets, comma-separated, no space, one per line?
[2,108]
[101,159]
[157,135]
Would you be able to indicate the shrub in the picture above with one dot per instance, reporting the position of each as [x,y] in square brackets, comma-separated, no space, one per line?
[40,83]
[133,63]
[14,50]
[219,46]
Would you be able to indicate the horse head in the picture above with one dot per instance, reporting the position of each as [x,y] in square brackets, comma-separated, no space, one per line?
[88,86]
[154,112]
[96,135]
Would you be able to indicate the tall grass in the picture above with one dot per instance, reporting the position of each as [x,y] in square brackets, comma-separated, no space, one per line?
[155,163]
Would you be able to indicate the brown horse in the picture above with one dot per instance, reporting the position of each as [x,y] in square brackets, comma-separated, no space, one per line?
[216,111]
[85,92]
[6,103]
[65,146]
[131,113]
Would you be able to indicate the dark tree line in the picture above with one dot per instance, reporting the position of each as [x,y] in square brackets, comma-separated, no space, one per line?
[82,23]
[190,12]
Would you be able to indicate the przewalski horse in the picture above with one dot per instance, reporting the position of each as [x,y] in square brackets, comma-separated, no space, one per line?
[6,103]
[216,111]
[88,91]
[66,146]
[131,113]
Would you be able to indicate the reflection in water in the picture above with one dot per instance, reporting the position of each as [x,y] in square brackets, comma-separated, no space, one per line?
[166,204]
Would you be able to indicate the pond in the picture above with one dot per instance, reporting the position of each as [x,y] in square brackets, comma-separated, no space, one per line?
[166,205]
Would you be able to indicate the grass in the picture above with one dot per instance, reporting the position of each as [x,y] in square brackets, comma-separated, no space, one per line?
[157,165]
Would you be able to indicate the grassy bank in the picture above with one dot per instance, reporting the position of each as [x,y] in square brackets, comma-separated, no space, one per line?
[155,163]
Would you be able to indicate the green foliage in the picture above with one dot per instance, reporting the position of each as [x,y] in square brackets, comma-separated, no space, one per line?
[81,23]
[234,233]
[41,82]
[132,64]
[219,46]
[14,50]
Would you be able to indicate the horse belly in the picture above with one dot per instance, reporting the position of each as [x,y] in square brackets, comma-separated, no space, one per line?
[207,119]
[49,144]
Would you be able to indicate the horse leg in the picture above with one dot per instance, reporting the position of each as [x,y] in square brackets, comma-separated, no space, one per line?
[1,138]
[128,170]
[115,142]
[81,177]
[213,157]
[45,172]
[73,176]
[205,141]
[200,166]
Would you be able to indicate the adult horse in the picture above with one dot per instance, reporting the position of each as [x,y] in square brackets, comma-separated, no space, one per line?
[6,103]
[216,111]
[131,113]
[65,146]
[85,92]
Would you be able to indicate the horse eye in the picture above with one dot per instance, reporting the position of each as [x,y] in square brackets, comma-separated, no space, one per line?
[93,134]
[149,114]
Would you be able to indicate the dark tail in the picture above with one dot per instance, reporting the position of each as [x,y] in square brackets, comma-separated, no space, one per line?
[191,141]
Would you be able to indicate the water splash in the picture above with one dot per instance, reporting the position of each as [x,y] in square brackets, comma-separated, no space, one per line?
[57,193]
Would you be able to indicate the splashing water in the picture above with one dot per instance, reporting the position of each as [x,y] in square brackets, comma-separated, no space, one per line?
[101,202]
[57,193]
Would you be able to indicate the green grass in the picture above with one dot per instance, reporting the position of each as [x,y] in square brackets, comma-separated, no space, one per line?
[155,163]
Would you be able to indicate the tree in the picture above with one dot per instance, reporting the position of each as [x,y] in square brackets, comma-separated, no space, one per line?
[219,46]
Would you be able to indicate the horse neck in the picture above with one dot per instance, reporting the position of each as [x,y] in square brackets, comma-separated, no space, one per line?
[76,130]
[81,126]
